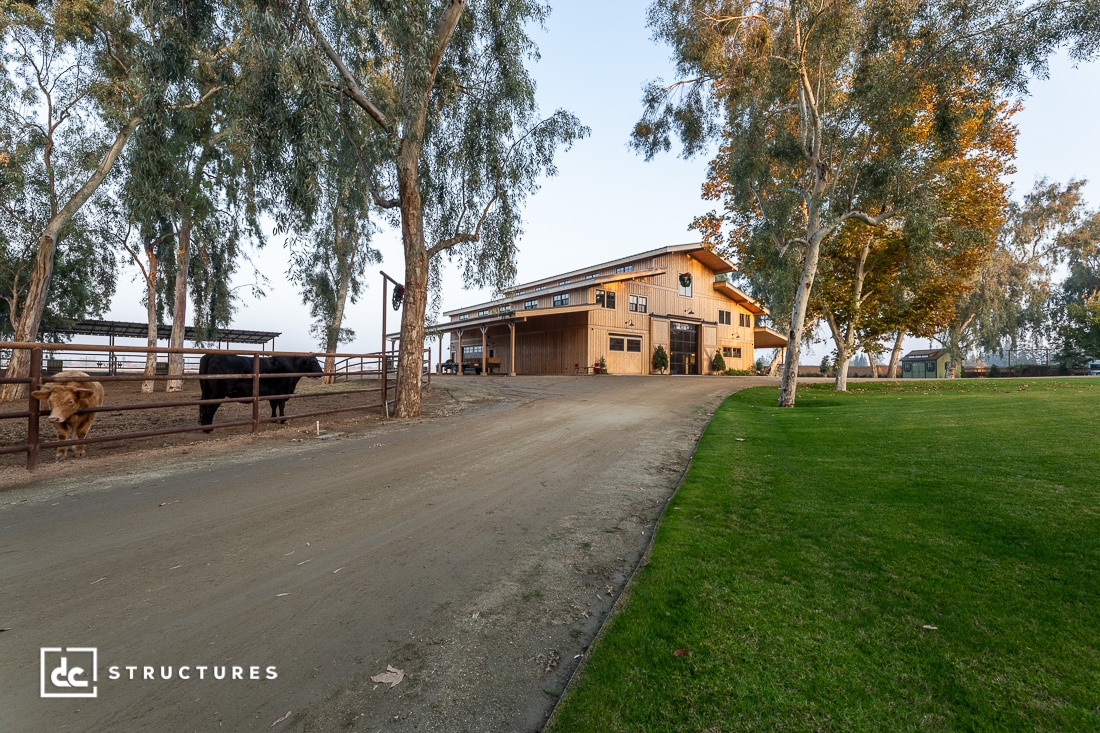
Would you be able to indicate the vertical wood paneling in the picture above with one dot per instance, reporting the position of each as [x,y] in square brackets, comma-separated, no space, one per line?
[552,344]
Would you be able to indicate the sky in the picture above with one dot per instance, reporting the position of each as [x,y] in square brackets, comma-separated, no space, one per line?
[606,201]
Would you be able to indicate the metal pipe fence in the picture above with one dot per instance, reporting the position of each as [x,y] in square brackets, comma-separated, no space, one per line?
[357,374]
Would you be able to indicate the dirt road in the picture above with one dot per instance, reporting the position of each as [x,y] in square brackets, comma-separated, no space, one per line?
[477,552]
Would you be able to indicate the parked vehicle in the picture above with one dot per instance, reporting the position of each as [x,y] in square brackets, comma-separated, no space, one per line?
[1094,368]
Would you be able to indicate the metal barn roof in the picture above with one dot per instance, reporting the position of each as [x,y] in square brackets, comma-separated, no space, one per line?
[130,329]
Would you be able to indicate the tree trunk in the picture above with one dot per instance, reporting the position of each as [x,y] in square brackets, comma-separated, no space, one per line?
[332,341]
[789,385]
[955,352]
[179,308]
[148,385]
[895,354]
[846,339]
[34,305]
[414,306]
[873,363]
[776,359]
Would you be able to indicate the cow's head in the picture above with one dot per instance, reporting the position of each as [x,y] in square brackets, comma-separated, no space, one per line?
[309,365]
[64,401]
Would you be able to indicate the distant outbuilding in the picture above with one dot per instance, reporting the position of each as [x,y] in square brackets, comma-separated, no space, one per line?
[926,364]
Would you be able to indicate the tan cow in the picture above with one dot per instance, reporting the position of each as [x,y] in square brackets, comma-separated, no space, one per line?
[66,397]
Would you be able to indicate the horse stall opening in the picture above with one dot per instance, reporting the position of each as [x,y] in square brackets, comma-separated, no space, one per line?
[137,408]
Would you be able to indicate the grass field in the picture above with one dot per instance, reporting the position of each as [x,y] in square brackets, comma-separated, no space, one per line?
[911,556]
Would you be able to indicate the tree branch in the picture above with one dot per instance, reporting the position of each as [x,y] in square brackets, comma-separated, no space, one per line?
[466,236]
[351,86]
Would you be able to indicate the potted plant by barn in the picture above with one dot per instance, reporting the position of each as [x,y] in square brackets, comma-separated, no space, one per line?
[600,366]
[718,364]
[660,359]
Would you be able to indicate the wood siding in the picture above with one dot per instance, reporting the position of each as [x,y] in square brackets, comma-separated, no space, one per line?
[547,343]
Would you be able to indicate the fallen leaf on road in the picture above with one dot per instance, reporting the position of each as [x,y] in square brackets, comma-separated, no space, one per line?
[392,676]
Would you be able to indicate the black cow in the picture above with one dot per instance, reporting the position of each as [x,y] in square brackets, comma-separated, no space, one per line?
[216,389]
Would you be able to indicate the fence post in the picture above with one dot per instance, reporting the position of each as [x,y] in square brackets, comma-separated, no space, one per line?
[34,382]
[255,393]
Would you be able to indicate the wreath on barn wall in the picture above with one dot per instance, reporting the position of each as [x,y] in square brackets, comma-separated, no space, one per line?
[685,279]
[398,296]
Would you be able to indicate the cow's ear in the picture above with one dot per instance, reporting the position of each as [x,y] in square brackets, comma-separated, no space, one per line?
[41,394]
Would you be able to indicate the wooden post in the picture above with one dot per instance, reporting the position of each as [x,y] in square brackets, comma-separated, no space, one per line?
[255,393]
[33,407]
[461,371]
[512,364]
[382,358]
[484,351]
[385,355]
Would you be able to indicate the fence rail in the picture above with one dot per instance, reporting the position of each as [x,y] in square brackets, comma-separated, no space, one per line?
[358,374]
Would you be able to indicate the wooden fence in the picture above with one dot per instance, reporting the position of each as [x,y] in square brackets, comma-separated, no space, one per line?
[367,382]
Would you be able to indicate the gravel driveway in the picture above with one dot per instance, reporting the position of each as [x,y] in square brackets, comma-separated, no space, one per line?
[477,550]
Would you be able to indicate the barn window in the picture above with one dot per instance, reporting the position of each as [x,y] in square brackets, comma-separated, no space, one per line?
[624,268]
[605,298]
[634,345]
[745,320]
[731,352]
[617,344]
[530,304]
[684,280]
[725,317]
[639,304]
[561,299]
[471,352]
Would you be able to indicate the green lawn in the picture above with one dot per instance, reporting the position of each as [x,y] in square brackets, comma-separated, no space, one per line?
[921,556]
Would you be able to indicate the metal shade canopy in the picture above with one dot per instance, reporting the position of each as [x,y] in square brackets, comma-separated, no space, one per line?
[129,329]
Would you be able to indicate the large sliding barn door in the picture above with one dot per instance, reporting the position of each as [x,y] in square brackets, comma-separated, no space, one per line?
[683,348]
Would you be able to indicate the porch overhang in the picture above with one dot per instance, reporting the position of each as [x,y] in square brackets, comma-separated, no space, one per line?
[768,338]
[511,317]
[741,298]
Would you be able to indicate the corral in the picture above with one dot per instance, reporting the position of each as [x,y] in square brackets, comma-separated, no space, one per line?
[164,418]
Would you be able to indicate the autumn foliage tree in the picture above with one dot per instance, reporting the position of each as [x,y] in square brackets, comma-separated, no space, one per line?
[908,275]
[818,110]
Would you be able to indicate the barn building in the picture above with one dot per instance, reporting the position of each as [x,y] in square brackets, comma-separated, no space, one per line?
[678,297]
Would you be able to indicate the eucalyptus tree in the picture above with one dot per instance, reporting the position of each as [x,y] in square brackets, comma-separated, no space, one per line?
[68,110]
[1079,332]
[1010,294]
[154,244]
[186,171]
[1075,309]
[329,259]
[443,87]
[814,109]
